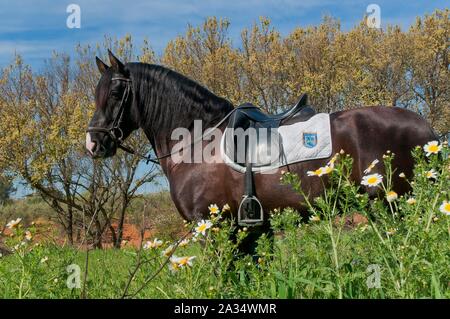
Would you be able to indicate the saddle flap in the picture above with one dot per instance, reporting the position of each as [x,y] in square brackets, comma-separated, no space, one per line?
[260,145]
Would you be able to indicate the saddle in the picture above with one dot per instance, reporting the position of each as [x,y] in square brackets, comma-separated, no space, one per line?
[247,113]
[253,132]
[249,124]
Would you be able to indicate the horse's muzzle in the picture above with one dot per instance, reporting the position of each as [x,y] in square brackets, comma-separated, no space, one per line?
[98,148]
[90,145]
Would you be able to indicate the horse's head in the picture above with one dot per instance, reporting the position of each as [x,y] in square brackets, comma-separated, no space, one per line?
[112,121]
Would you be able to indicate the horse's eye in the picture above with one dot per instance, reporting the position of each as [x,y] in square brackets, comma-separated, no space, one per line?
[115,94]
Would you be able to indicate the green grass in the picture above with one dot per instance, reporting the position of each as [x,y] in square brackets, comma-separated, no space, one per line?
[408,243]
[301,266]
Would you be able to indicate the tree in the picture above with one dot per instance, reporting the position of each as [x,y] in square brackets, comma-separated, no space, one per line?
[43,117]
[263,67]
[429,68]
[315,64]
[6,189]
[206,55]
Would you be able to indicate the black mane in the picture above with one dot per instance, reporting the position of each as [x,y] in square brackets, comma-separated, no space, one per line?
[167,100]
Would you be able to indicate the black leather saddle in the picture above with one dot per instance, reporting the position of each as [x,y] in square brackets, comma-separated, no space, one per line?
[264,139]
[248,113]
[252,140]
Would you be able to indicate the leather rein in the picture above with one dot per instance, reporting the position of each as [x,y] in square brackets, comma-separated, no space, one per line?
[116,133]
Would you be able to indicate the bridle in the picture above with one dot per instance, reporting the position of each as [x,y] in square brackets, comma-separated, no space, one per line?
[116,133]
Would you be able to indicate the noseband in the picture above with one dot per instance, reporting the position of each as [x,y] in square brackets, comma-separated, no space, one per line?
[114,131]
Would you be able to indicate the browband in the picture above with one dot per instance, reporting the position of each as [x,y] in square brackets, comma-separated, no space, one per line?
[121,79]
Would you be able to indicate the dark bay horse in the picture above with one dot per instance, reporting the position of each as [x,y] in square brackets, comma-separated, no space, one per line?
[158,100]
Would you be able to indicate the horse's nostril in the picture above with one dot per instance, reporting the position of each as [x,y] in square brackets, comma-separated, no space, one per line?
[90,145]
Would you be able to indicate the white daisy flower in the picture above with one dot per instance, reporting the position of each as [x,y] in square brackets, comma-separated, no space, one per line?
[328,169]
[333,160]
[411,201]
[153,244]
[371,166]
[391,196]
[182,261]
[14,223]
[432,147]
[226,207]
[203,226]
[321,171]
[317,172]
[168,251]
[183,243]
[213,209]
[174,267]
[431,174]
[372,180]
[445,208]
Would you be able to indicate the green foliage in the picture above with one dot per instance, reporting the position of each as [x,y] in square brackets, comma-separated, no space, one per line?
[407,240]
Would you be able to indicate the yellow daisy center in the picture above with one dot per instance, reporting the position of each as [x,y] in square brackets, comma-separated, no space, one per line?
[447,207]
[183,261]
[429,174]
[372,180]
[201,228]
[318,171]
[433,148]
[175,266]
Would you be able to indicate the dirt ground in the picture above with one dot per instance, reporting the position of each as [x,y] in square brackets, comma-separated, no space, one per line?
[46,231]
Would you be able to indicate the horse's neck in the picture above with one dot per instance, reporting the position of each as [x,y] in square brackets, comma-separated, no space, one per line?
[195,121]
[170,151]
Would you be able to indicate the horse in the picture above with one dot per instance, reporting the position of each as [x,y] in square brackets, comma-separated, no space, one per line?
[158,100]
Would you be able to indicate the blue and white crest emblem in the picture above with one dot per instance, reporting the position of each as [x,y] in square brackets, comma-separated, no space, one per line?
[310,140]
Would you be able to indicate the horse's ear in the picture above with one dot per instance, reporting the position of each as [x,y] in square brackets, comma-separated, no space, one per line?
[102,67]
[115,62]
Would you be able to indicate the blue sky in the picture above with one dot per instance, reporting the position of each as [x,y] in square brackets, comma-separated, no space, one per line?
[35,28]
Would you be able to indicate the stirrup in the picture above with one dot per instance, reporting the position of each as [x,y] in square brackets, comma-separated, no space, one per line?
[250,211]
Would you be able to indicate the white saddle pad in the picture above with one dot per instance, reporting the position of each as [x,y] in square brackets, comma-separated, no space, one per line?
[299,142]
